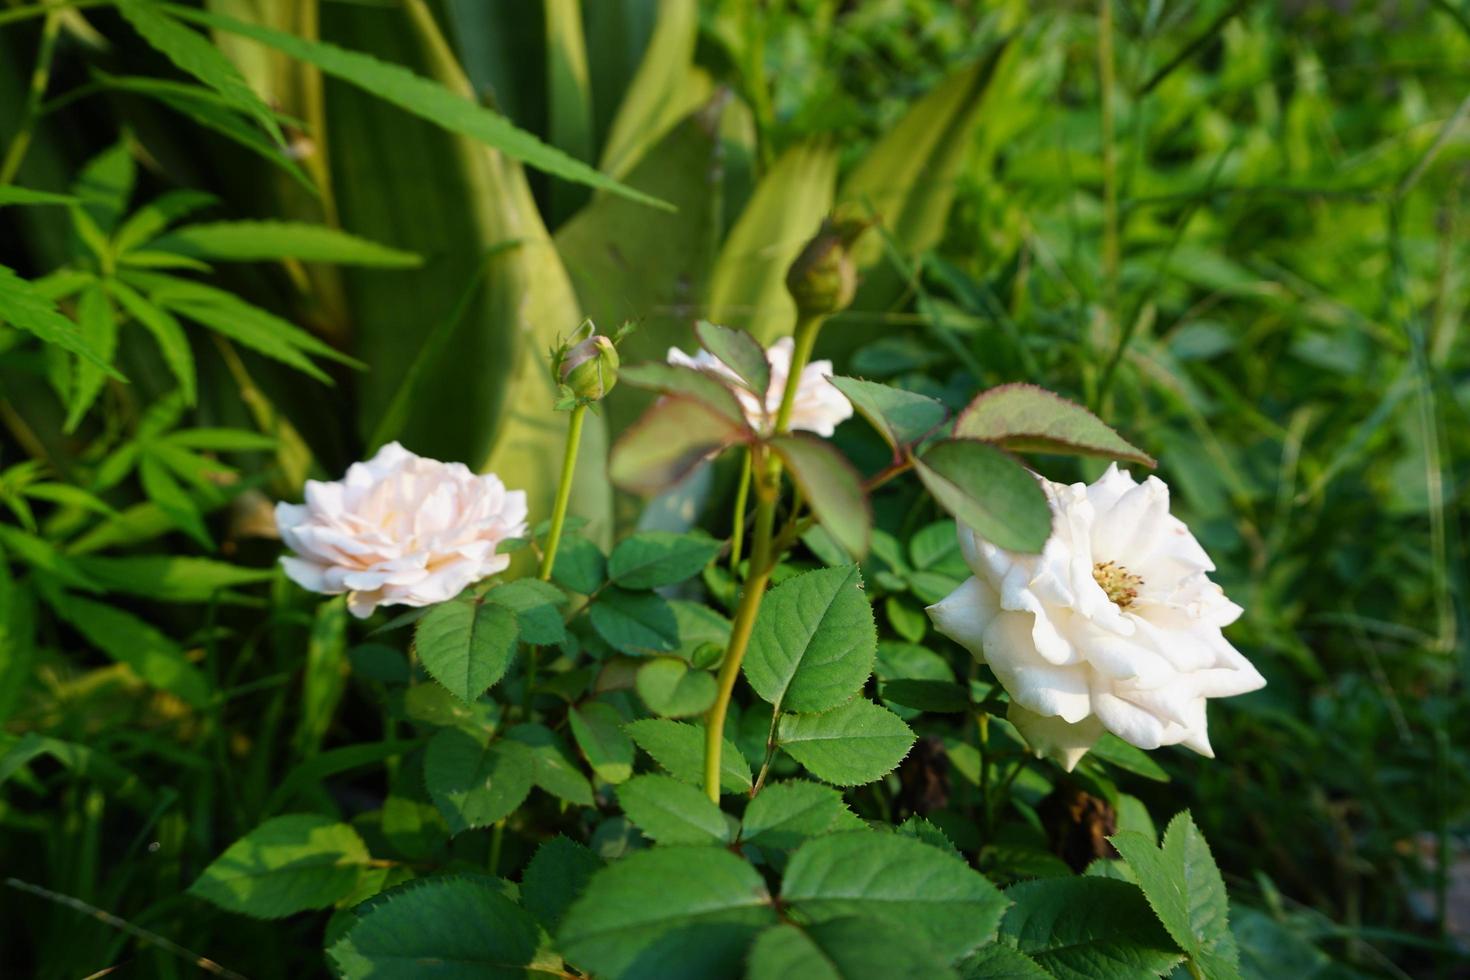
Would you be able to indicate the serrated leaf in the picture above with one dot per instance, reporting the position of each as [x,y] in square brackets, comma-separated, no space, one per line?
[11,194]
[639,623]
[814,640]
[598,729]
[473,780]
[897,879]
[1027,418]
[466,645]
[537,606]
[679,747]
[1184,887]
[195,54]
[167,333]
[24,308]
[847,948]
[665,445]
[99,329]
[1000,962]
[678,911]
[925,830]
[783,815]
[672,689]
[1114,751]
[653,559]
[901,417]
[151,219]
[258,241]
[672,812]
[738,351]
[926,695]
[989,491]
[1087,929]
[171,498]
[451,927]
[423,98]
[686,382]
[557,874]
[580,565]
[832,488]
[847,746]
[552,767]
[286,865]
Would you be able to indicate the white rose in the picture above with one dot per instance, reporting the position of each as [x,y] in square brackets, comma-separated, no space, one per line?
[818,407]
[1113,627]
[400,529]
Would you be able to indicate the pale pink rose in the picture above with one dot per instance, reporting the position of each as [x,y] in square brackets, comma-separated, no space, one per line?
[400,529]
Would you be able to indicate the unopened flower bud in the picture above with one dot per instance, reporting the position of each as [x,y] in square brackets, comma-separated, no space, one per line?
[590,369]
[823,278]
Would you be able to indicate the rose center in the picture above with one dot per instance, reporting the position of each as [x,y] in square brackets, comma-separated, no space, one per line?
[1120,584]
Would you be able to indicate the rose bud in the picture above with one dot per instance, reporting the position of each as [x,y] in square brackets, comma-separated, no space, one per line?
[823,279]
[590,369]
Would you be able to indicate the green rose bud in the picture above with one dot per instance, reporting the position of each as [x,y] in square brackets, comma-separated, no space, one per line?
[823,278]
[590,369]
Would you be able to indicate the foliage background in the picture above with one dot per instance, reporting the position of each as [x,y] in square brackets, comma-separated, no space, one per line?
[1255,268]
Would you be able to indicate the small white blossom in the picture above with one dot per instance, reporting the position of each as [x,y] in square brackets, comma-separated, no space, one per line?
[400,529]
[1115,626]
[818,406]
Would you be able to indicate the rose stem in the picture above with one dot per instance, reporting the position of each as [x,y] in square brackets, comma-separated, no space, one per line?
[553,536]
[742,496]
[767,468]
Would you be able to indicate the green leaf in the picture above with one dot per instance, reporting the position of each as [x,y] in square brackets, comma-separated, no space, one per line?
[23,195]
[988,491]
[699,626]
[847,746]
[537,606]
[552,767]
[194,54]
[1000,962]
[653,559]
[668,912]
[466,645]
[740,352]
[1184,887]
[1114,751]
[1087,929]
[450,927]
[167,333]
[901,417]
[104,185]
[748,285]
[580,565]
[926,695]
[154,657]
[99,328]
[662,92]
[24,308]
[814,640]
[635,622]
[925,830]
[686,382]
[672,689]
[679,747]
[258,241]
[899,879]
[324,676]
[672,812]
[557,873]
[832,487]
[783,815]
[421,97]
[151,219]
[286,865]
[673,437]
[847,948]
[598,729]
[1026,418]
[475,781]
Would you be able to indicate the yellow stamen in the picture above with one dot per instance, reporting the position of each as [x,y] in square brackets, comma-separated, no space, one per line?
[1120,584]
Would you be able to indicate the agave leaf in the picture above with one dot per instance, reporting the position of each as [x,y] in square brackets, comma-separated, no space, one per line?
[665,90]
[748,284]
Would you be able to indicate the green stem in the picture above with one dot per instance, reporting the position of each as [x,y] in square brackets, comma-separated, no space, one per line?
[497,843]
[1106,86]
[767,469]
[553,536]
[742,497]
[563,492]
[40,78]
[46,9]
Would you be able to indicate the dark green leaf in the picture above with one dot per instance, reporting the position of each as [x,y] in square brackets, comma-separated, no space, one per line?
[154,657]
[552,766]
[598,729]
[466,645]
[847,746]
[901,417]
[1001,962]
[475,781]
[672,689]
[580,566]
[989,491]
[848,948]
[679,747]
[557,874]
[738,351]
[537,606]
[635,622]
[687,382]
[1114,751]
[653,559]
[286,865]
[832,488]
[1026,418]
[673,437]
[257,241]
[926,695]
[1087,929]
[783,815]
[672,812]
[24,308]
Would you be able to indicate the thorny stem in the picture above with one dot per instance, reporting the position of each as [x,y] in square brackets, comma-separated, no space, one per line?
[767,471]
[40,78]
